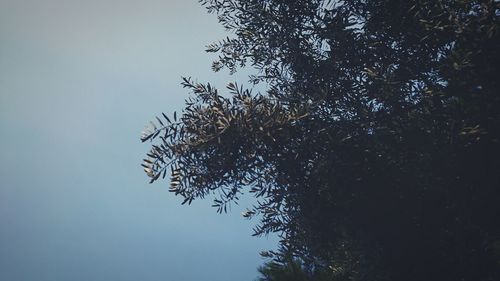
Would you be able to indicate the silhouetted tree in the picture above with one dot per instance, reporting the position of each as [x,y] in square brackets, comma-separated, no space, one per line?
[293,270]
[374,149]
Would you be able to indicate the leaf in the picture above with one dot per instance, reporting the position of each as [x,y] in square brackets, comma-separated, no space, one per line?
[166,117]
[147,137]
[155,177]
[159,121]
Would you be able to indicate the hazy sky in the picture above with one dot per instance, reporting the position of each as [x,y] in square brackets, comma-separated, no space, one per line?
[78,82]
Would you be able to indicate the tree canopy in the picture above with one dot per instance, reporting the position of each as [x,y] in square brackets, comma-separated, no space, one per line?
[375,148]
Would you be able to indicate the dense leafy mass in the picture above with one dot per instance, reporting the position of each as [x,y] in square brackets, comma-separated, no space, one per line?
[375,149]
[293,270]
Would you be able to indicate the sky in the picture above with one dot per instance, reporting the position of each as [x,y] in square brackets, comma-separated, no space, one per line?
[79,80]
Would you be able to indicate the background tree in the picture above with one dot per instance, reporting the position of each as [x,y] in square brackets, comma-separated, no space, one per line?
[374,149]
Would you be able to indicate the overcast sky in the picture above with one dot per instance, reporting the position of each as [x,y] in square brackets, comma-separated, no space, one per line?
[79,79]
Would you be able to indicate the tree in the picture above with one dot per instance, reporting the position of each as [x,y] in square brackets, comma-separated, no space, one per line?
[293,270]
[375,148]
[290,271]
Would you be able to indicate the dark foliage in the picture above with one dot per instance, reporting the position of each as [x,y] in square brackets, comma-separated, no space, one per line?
[294,270]
[375,149]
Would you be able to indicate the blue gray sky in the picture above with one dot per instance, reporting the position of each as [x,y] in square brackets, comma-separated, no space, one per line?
[79,79]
